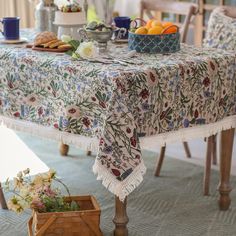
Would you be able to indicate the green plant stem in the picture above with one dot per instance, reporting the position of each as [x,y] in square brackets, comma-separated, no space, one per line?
[67,189]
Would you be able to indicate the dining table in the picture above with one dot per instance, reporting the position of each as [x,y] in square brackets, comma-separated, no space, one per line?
[116,106]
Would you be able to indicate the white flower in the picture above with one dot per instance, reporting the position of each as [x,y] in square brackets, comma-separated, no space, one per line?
[87,50]
[66,38]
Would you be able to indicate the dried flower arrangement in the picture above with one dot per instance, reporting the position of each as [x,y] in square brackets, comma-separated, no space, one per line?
[38,193]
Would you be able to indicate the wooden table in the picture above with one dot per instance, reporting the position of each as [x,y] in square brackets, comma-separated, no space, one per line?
[179,96]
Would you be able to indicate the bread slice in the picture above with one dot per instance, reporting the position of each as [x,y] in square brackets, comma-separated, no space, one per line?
[44,37]
[56,44]
[65,46]
[46,45]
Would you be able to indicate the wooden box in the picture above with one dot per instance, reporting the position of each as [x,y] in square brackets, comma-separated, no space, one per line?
[84,222]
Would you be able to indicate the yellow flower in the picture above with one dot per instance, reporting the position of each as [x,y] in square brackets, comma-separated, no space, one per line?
[20,175]
[26,171]
[13,204]
[87,50]
[17,183]
[24,191]
[38,181]
[51,173]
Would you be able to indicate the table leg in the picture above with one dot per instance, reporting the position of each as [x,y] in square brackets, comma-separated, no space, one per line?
[89,153]
[64,149]
[121,219]
[2,199]
[214,150]
[207,172]
[226,148]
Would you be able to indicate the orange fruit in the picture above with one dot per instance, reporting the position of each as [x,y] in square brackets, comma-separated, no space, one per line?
[149,23]
[155,30]
[156,23]
[141,30]
[167,24]
[171,30]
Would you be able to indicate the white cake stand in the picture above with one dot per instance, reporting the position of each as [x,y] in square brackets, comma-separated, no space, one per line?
[71,30]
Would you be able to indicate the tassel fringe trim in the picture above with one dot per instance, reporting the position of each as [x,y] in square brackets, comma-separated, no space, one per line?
[187,134]
[120,188]
[83,142]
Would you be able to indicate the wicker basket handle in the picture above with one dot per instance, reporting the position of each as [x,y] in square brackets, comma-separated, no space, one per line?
[134,23]
[43,228]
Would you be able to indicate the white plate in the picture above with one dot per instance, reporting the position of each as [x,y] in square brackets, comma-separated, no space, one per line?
[15,41]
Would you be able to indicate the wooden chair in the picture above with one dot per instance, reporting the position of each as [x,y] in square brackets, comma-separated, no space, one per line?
[211,155]
[189,10]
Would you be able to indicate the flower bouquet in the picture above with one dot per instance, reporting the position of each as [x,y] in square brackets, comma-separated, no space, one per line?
[53,213]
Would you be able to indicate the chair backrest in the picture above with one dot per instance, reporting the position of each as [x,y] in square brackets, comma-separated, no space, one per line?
[229,11]
[221,29]
[189,10]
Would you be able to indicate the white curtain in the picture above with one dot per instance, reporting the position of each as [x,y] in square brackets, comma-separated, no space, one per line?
[127,7]
[22,8]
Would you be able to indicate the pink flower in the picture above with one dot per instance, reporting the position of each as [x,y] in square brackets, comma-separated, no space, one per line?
[37,204]
[49,192]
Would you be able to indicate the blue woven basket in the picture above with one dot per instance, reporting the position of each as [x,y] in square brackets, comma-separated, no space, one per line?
[160,43]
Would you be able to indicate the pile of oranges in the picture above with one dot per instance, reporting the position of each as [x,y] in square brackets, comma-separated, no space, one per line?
[154,26]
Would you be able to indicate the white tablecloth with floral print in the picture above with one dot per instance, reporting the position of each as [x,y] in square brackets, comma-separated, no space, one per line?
[183,95]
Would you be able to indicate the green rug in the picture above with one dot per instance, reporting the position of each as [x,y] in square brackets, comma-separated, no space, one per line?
[171,205]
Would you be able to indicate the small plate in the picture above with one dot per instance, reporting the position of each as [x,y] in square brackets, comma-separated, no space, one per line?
[15,41]
[50,49]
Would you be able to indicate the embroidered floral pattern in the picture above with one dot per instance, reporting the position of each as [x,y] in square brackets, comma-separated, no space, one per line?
[118,104]
[221,31]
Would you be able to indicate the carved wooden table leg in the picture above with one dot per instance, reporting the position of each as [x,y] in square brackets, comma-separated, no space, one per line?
[226,148]
[160,161]
[207,172]
[187,150]
[214,150]
[89,153]
[2,199]
[121,219]
[64,149]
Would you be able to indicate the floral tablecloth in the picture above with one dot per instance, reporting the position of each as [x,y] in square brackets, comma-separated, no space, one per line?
[118,104]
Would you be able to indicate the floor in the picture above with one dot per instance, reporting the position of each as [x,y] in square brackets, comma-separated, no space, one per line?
[12,145]
[172,205]
[198,151]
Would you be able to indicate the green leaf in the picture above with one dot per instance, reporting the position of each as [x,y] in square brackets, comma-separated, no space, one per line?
[70,52]
[75,44]
[74,206]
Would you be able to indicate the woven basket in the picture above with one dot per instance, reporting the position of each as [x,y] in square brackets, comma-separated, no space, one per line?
[159,43]
[84,222]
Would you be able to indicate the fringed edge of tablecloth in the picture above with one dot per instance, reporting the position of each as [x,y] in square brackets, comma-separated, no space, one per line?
[187,134]
[120,188]
[83,142]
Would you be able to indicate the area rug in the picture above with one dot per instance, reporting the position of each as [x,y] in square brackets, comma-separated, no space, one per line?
[171,205]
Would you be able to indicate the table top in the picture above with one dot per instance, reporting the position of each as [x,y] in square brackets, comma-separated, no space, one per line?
[118,103]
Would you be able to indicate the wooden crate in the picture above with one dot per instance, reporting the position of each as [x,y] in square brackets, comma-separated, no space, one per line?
[84,222]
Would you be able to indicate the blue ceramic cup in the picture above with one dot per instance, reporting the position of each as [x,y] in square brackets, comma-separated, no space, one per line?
[123,22]
[11,28]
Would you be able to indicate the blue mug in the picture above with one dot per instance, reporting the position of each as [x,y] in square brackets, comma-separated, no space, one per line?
[11,28]
[123,22]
